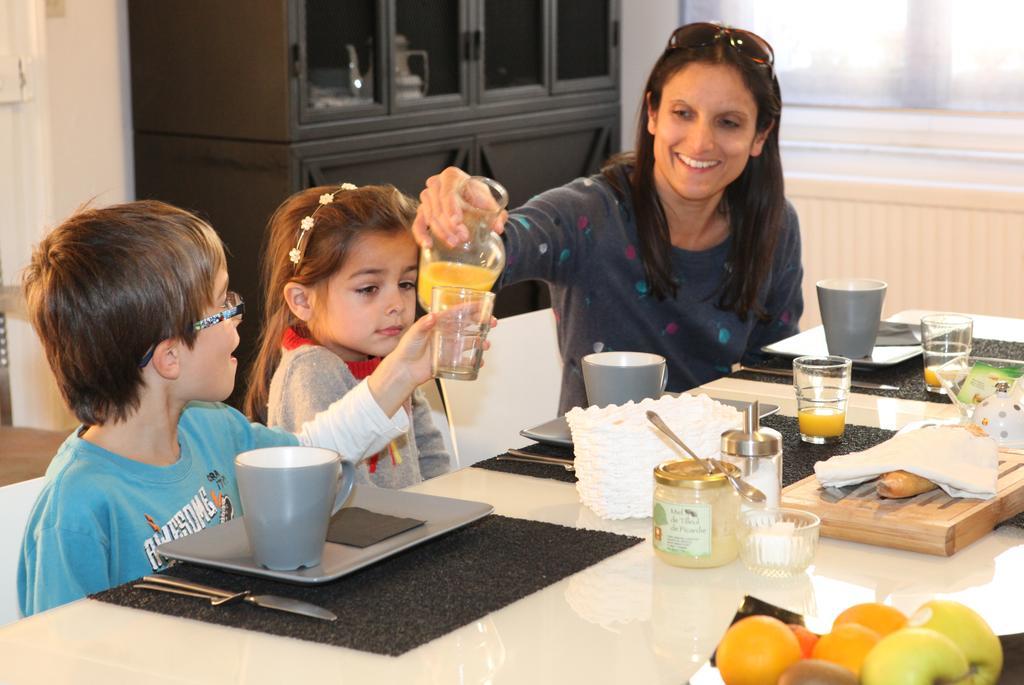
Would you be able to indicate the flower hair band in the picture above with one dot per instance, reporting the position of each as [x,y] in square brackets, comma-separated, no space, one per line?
[306,225]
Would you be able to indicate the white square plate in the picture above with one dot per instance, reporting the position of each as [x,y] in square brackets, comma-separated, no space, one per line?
[812,342]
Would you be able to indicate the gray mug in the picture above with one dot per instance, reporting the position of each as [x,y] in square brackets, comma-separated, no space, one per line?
[619,377]
[288,497]
[851,309]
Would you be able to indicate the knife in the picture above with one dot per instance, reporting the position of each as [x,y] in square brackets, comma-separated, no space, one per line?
[834,494]
[217,597]
[865,385]
[529,457]
[550,458]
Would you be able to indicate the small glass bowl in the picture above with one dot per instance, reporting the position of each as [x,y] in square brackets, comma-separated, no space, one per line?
[778,542]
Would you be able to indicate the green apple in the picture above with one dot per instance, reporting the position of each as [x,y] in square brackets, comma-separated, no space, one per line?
[968,630]
[914,656]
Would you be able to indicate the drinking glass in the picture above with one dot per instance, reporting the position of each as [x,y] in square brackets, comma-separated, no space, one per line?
[944,338]
[822,387]
[463,320]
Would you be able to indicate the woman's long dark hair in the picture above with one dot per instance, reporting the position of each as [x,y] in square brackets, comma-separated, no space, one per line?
[754,203]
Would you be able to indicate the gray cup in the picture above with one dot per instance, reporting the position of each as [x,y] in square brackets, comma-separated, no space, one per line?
[288,497]
[618,377]
[850,311]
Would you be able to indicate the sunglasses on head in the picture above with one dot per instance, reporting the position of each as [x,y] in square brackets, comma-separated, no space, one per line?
[705,34]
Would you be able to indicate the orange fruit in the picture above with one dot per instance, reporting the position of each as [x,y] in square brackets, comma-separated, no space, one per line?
[846,645]
[756,650]
[805,637]
[881,618]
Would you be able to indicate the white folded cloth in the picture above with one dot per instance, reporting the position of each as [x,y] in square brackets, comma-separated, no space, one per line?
[962,464]
[617,448]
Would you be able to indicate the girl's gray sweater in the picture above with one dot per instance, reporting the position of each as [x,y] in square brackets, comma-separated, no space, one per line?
[309,378]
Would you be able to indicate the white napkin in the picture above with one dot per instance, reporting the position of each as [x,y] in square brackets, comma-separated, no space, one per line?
[960,463]
[617,448]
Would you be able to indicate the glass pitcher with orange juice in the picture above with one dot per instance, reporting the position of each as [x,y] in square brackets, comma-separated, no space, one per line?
[478,262]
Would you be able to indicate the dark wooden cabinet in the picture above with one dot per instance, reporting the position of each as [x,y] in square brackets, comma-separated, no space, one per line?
[236,106]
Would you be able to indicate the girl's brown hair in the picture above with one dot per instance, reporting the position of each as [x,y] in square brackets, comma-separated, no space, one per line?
[754,203]
[336,229]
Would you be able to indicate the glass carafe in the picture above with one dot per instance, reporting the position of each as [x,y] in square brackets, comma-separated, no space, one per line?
[478,262]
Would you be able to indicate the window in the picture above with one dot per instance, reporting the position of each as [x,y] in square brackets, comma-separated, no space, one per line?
[958,55]
[924,90]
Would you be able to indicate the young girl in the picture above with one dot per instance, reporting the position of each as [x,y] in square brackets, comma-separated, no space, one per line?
[340,270]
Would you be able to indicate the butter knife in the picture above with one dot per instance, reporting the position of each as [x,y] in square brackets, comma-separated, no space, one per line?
[539,456]
[865,385]
[217,597]
[531,458]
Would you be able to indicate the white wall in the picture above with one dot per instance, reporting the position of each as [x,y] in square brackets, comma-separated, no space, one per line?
[646,26]
[70,143]
[90,104]
[25,202]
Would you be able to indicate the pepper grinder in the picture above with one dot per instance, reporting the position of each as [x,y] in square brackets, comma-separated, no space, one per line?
[757,452]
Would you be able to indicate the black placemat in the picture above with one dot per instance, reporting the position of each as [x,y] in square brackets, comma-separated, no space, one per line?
[798,457]
[406,600]
[551,471]
[908,376]
[1013,659]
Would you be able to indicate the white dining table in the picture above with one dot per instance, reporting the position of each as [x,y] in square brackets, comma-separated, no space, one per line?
[630,618]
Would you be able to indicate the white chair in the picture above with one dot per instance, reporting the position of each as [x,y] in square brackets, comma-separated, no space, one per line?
[517,388]
[15,503]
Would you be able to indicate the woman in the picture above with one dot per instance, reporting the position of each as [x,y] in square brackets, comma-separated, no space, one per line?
[685,247]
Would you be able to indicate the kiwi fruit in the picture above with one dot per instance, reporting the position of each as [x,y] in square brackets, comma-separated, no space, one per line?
[817,672]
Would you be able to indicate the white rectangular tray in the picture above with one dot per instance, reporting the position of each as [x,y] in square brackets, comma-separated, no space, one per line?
[226,546]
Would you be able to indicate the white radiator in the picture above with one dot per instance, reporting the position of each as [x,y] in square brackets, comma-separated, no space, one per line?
[938,247]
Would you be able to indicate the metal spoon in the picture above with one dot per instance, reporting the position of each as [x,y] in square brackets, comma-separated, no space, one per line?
[743,487]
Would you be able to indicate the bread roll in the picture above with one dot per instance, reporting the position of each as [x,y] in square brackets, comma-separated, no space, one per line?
[897,484]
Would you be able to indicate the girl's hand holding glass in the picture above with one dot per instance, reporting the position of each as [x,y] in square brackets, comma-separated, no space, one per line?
[408,367]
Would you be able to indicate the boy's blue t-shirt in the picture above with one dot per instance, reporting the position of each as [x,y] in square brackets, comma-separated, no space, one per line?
[100,516]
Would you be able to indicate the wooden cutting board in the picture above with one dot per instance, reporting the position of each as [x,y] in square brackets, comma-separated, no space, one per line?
[933,522]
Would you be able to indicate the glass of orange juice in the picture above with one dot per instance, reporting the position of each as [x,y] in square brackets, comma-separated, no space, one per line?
[463,319]
[944,337]
[822,387]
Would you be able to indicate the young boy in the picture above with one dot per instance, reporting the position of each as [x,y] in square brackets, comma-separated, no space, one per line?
[132,305]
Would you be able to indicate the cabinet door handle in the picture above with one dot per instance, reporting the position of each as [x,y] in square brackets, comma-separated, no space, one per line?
[296,61]
[471,45]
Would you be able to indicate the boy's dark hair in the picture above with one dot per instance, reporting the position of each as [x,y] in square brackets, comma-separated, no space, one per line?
[105,286]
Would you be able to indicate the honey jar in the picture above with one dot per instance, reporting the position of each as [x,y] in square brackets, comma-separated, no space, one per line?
[695,515]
